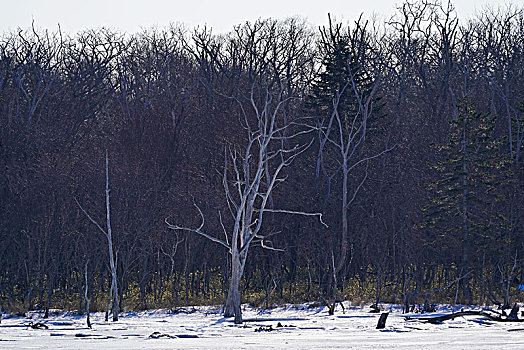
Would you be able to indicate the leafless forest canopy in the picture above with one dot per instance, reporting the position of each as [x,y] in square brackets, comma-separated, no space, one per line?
[377,161]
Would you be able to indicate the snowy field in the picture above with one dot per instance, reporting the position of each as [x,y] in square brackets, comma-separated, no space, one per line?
[302,328]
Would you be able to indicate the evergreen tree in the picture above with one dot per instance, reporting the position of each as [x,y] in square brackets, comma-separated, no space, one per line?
[342,54]
[463,213]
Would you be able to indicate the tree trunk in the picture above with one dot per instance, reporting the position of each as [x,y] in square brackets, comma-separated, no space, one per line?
[233,296]
[344,233]
[465,221]
[116,306]
[108,304]
[86,296]
[382,320]
[513,315]
[48,301]
[114,283]
[50,283]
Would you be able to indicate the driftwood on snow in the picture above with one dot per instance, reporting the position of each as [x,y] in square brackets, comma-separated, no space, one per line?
[331,305]
[488,314]
[37,325]
[183,310]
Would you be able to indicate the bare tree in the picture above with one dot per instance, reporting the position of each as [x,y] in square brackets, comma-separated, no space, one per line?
[342,133]
[249,178]
[113,293]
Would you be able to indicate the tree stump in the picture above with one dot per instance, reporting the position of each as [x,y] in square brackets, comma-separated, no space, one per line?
[382,320]
[513,315]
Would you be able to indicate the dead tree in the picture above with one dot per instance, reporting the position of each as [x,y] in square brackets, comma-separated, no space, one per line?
[113,293]
[382,320]
[249,178]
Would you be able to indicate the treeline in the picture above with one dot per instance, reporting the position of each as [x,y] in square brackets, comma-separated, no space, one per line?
[407,137]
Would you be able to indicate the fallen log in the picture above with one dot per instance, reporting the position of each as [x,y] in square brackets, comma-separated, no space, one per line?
[440,319]
[158,335]
[37,325]
[271,319]
[183,310]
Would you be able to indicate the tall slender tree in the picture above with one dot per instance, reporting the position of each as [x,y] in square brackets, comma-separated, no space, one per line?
[343,100]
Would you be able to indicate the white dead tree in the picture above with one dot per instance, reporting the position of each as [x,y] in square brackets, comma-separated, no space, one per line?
[249,178]
[113,293]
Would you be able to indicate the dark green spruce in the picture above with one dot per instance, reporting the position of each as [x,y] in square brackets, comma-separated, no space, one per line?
[464,216]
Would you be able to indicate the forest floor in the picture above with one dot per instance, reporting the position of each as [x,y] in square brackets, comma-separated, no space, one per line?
[293,326]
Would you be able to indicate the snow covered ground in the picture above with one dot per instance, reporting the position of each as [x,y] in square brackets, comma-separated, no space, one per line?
[303,328]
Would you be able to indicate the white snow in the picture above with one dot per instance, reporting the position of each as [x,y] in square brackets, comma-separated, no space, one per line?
[304,328]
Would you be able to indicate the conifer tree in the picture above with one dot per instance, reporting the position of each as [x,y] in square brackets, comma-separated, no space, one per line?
[463,215]
[342,52]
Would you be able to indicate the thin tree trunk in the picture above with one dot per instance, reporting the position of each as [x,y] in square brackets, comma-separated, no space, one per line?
[335,280]
[48,301]
[113,293]
[109,303]
[465,218]
[86,296]
[344,234]
[114,282]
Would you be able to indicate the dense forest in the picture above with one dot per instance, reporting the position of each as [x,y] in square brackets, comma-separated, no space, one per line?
[374,160]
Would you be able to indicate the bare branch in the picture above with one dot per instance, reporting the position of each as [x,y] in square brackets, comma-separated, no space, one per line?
[223,227]
[359,186]
[198,230]
[263,245]
[372,157]
[295,213]
[90,218]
